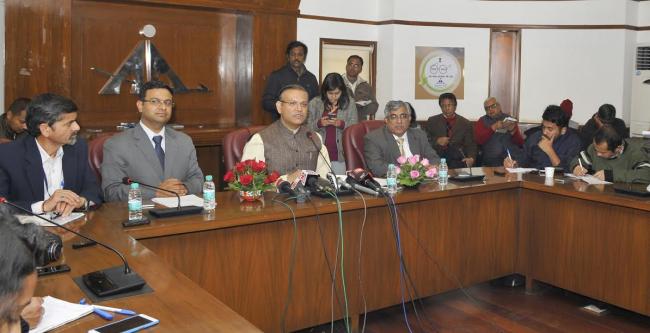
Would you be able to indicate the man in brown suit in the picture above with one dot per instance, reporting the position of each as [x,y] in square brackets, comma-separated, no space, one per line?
[451,135]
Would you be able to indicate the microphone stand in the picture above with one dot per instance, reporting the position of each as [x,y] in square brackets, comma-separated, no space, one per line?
[331,175]
[167,212]
[111,281]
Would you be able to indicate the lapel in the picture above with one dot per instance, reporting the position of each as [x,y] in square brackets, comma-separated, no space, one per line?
[146,148]
[171,152]
[34,168]
[69,167]
[413,146]
[393,149]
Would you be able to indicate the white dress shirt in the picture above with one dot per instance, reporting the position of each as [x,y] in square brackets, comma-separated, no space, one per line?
[405,145]
[151,134]
[53,169]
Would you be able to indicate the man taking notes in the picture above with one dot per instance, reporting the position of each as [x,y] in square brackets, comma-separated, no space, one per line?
[150,152]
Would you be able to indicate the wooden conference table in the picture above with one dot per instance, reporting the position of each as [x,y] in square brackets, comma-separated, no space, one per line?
[586,239]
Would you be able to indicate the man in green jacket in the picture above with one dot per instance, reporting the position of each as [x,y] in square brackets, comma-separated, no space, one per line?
[613,159]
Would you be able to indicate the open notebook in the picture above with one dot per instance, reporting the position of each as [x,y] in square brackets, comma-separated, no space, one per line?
[57,313]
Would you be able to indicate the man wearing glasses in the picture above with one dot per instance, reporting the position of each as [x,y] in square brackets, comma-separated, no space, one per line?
[150,152]
[384,145]
[497,133]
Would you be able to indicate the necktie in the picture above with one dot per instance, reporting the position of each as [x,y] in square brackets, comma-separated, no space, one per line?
[400,145]
[159,151]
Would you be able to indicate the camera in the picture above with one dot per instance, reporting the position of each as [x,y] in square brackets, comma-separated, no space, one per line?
[45,246]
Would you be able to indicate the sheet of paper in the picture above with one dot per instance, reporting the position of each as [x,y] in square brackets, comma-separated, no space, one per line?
[521,170]
[363,103]
[186,200]
[58,312]
[60,220]
[381,181]
[589,179]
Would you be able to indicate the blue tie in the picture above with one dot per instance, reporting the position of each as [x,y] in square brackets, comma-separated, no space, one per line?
[159,151]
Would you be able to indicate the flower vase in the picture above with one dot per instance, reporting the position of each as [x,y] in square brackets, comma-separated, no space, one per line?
[250,196]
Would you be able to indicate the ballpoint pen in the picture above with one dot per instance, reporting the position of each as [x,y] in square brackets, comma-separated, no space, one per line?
[97,311]
[116,310]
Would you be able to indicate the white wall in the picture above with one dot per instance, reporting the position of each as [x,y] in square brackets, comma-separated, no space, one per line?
[555,62]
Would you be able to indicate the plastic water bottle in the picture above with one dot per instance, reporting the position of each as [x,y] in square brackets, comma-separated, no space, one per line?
[208,194]
[135,202]
[443,176]
[391,179]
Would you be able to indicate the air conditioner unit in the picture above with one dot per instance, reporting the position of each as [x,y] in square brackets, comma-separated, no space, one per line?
[640,104]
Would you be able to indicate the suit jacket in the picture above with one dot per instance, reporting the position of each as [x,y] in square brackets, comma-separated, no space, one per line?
[22,176]
[380,149]
[131,154]
[462,136]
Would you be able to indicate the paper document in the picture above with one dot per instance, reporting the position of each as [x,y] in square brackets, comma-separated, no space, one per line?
[589,179]
[381,181]
[57,313]
[363,103]
[60,220]
[186,200]
[521,170]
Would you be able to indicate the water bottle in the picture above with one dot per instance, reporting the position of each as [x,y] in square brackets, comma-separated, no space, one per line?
[135,202]
[208,194]
[443,177]
[391,179]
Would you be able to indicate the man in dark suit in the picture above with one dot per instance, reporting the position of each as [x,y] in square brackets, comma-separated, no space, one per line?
[384,145]
[48,170]
[151,153]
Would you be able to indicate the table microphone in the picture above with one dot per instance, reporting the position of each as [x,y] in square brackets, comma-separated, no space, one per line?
[285,187]
[111,281]
[353,183]
[364,178]
[167,212]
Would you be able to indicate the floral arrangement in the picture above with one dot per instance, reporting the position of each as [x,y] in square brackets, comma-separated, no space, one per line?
[412,171]
[250,175]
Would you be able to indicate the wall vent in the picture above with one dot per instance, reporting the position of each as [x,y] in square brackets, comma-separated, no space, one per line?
[643,58]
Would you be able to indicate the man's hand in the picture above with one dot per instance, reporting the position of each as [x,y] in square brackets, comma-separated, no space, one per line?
[468,161]
[600,174]
[497,125]
[579,171]
[598,122]
[171,184]
[510,126]
[59,201]
[509,163]
[33,312]
[546,144]
[442,141]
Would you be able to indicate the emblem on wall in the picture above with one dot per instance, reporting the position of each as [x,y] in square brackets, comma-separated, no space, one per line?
[439,70]
[144,63]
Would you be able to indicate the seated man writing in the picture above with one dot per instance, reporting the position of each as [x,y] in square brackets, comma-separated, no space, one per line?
[613,159]
[555,145]
[287,146]
[384,145]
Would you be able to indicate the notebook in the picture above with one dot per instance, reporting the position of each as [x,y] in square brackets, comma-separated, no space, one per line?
[58,312]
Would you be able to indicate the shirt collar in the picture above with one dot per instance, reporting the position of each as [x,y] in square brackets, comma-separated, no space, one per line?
[151,133]
[45,157]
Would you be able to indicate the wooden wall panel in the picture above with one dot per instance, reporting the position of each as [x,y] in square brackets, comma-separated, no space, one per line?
[37,48]
[200,50]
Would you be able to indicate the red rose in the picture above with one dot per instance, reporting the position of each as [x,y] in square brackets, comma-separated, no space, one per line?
[229,177]
[246,180]
[240,167]
[259,166]
[274,176]
[249,163]
[268,180]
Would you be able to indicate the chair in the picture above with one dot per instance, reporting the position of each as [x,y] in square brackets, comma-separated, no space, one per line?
[234,142]
[96,154]
[353,143]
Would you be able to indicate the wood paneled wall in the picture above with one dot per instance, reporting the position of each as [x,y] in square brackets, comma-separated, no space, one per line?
[230,46]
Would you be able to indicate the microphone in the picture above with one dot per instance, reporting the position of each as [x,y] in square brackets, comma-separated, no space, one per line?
[353,183]
[166,212]
[331,176]
[285,187]
[111,281]
[321,185]
[364,178]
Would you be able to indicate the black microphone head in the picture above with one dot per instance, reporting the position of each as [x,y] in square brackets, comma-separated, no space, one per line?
[127,181]
[364,178]
[285,187]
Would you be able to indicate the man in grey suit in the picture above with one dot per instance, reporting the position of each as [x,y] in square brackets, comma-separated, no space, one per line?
[151,153]
[384,145]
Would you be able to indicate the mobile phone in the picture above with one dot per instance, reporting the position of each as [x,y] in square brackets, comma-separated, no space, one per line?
[49,270]
[510,119]
[127,325]
[134,223]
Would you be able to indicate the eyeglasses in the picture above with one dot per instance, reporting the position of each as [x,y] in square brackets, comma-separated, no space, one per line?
[168,103]
[492,106]
[402,116]
[294,104]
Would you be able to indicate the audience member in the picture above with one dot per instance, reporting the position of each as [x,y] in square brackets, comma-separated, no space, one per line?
[285,144]
[294,72]
[151,152]
[555,145]
[451,135]
[609,157]
[48,170]
[12,122]
[330,114]
[567,107]
[360,89]
[606,115]
[496,133]
[384,145]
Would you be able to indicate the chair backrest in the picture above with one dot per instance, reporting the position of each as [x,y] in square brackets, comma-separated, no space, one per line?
[96,154]
[353,143]
[234,142]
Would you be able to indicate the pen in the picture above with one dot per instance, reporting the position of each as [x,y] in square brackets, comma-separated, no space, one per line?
[105,315]
[509,156]
[579,161]
[116,310]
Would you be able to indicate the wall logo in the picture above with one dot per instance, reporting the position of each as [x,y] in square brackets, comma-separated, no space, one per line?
[439,70]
